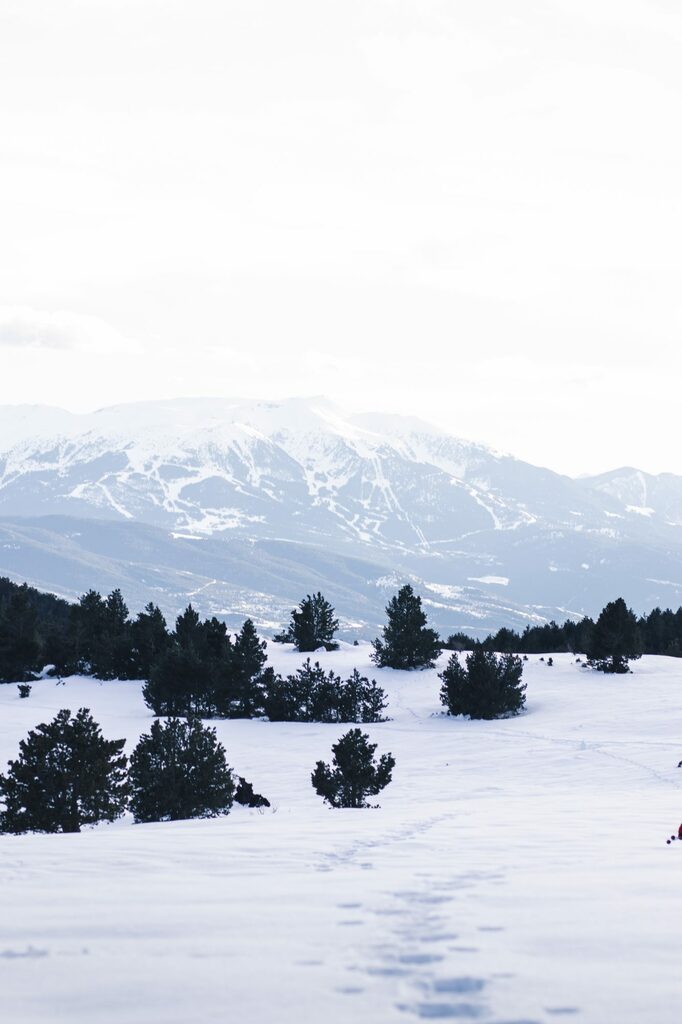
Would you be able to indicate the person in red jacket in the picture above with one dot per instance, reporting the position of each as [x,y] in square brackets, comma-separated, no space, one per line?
[679,832]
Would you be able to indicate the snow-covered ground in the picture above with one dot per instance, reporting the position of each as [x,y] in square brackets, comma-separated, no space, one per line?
[516,871]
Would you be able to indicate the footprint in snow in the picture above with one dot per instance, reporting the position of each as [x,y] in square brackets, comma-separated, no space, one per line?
[412,896]
[444,1011]
[387,972]
[458,985]
[419,958]
[437,1008]
[524,1020]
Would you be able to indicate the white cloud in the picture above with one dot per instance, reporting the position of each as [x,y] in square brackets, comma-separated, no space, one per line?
[23,327]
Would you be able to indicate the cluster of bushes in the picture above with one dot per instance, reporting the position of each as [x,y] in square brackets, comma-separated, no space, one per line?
[204,672]
[486,686]
[68,776]
[313,695]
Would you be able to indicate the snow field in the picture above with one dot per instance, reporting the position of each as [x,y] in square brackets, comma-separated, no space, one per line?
[516,870]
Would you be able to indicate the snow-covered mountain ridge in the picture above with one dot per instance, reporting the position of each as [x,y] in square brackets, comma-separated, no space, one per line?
[466,521]
[210,465]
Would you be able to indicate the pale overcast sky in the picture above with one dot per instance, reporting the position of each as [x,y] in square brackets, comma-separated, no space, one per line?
[466,210]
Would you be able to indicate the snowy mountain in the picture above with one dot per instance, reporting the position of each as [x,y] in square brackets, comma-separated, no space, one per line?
[213,487]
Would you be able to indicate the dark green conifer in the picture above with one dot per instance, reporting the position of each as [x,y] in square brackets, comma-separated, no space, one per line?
[355,774]
[615,639]
[181,683]
[188,629]
[407,641]
[149,639]
[66,776]
[373,702]
[247,663]
[179,770]
[19,644]
[361,700]
[112,659]
[487,686]
[312,625]
[300,697]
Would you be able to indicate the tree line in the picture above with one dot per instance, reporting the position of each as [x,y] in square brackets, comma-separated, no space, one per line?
[658,632]
[199,668]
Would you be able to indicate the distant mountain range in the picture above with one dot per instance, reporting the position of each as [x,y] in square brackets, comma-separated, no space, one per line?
[242,507]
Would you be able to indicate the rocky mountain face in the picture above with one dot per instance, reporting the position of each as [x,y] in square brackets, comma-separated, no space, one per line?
[244,506]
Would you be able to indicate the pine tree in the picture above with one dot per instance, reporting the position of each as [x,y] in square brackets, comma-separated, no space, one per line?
[247,663]
[488,687]
[352,698]
[361,700]
[373,703]
[280,699]
[66,776]
[302,697]
[355,775]
[34,630]
[87,627]
[188,629]
[194,674]
[615,638]
[19,645]
[149,639]
[312,625]
[181,683]
[326,701]
[407,642]
[179,770]
[249,650]
[313,695]
[100,637]
[112,660]
[216,640]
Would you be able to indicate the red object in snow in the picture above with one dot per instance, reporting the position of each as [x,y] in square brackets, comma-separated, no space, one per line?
[679,832]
